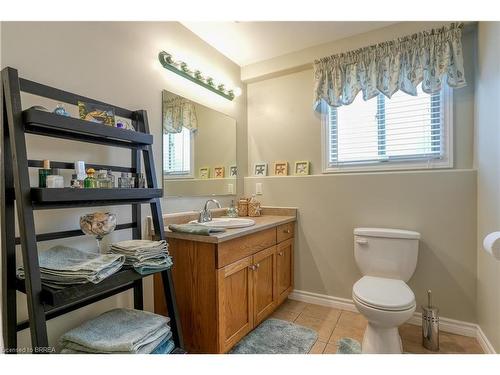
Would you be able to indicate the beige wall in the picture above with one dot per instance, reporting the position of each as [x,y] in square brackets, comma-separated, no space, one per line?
[439,204]
[115,62]
[488,176]
[283,126]
[215,141]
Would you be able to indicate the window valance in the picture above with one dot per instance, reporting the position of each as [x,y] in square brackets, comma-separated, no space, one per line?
[178,113]
[401,64]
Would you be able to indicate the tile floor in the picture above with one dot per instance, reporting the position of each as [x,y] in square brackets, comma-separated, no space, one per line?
[333,324]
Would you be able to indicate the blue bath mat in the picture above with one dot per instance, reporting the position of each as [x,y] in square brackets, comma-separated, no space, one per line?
[275,336]
[346,345]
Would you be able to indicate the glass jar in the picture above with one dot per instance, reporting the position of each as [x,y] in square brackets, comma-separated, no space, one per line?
[103,181]
[125,181]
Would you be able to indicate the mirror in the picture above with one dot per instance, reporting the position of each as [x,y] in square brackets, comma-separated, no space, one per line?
[199,149]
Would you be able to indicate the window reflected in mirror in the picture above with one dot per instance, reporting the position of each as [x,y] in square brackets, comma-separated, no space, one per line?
[199,149]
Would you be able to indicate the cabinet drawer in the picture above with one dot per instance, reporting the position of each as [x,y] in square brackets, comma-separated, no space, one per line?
[231,251]
[285,231]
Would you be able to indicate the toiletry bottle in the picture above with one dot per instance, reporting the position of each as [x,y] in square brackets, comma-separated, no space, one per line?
[75,182]
[90,181]
[103,181]
[55,181]
[140,181]
[112,180]
[80,171]
[43,173]
[232,211]
[124,180]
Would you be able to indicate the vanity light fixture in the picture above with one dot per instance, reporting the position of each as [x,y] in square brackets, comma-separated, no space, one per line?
[182,69]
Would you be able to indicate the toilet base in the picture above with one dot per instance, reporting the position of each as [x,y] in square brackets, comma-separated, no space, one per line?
[381,340]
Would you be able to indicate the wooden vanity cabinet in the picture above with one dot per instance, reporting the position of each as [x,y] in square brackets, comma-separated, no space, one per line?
[235,302]
[224,290]
[284,269]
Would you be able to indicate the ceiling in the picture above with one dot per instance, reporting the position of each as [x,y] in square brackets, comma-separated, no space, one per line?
[246,43]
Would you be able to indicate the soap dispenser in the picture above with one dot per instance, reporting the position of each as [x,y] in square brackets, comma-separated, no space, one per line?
[232,211]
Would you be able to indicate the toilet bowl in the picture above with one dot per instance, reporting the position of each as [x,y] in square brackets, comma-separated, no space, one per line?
[387,259]
[386,304]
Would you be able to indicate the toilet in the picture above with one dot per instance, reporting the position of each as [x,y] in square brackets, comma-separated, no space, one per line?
[387,258]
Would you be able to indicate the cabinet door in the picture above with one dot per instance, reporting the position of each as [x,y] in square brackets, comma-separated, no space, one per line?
[235,297]
[284,268]
[264,283]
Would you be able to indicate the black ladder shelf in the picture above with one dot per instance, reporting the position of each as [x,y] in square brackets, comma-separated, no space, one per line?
[45,303]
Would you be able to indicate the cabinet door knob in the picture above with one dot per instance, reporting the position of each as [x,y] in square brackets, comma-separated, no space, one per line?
[252,267]
[287,231]
[257,265]
[280,253]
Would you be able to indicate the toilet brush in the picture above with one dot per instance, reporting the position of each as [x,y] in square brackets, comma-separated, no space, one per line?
[430,325]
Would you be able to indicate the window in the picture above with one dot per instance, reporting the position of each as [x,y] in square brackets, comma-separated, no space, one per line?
[404,132]
[178,154]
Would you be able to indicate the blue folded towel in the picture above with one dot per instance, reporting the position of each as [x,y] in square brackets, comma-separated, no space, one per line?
[150,266]
[118,331]
[195,229]
[165,346]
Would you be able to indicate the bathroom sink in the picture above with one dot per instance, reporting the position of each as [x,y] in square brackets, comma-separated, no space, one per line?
[227,222]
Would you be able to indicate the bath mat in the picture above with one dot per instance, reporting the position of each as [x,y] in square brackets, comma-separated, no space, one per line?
[346,345]
[275,336]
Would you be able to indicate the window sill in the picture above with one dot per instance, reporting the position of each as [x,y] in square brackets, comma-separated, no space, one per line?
[390,167]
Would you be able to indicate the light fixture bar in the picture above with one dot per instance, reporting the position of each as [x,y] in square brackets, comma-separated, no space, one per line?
[182,69]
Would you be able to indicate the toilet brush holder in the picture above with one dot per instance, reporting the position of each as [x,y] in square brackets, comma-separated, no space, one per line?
[430,326]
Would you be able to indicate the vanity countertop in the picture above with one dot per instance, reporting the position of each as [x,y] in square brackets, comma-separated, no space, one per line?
[261,223]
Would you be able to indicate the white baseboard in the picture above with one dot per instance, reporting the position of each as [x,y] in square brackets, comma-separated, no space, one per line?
[484,342]
[457,327]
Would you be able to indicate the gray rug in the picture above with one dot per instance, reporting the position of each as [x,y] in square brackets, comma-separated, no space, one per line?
[275,336]
[346,345]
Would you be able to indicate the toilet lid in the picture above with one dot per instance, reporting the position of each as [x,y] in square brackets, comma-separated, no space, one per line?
[383,293]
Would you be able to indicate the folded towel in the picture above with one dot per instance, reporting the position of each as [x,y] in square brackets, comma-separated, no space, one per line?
[61,266]
[195,229]
[145,256]
[117,331]
[74,348]
[150,266]
[165,347]
[139,245]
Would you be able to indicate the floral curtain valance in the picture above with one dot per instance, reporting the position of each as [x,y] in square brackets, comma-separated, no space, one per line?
[385,68]
[178,113]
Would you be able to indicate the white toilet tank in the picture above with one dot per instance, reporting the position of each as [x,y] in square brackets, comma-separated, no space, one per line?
[385,252]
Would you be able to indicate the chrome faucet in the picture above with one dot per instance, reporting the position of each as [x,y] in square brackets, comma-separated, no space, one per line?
[205,214]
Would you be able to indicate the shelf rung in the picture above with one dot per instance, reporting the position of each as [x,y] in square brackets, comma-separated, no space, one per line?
[57,298]
[55,312]
[65,165]
[71,233]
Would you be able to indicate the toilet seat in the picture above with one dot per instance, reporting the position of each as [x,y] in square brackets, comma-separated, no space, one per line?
[383,293]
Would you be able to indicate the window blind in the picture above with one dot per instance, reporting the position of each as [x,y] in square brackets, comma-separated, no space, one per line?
[378,130]
[177,153]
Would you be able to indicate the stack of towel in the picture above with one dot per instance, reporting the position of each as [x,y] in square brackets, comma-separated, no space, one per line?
[145,256]
[61,266]
[120,331]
